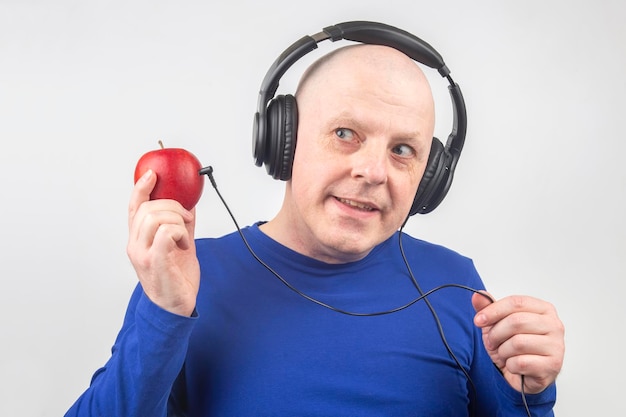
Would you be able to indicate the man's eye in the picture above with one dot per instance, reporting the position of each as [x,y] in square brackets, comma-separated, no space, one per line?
[403,150]
[343,133]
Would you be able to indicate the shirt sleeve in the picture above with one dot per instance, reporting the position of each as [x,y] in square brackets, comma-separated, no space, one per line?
[147,357]
[513,404]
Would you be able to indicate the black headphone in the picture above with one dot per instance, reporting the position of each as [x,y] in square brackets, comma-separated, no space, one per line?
[276,120]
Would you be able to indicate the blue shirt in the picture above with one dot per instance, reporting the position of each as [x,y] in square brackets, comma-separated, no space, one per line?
[257,348]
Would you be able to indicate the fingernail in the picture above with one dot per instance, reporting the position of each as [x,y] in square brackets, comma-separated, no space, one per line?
[146,175]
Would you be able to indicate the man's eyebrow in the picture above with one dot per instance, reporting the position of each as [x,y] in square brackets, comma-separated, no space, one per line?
[347,120]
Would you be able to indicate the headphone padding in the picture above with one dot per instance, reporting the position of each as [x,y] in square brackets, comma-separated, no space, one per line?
[431,179]
[282,126]
[289,140]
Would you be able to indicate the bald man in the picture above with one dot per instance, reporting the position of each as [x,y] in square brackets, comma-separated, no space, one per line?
[314,314]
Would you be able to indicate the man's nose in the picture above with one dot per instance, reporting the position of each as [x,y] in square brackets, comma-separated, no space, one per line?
[370,163]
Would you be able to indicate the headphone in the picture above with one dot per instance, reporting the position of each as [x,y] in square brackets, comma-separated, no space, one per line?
[276,120]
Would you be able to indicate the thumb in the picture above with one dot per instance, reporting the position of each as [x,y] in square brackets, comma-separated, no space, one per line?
[141,193]
[481,300]
[144,186]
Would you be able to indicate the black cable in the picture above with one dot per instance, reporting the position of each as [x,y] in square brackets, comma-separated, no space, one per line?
[423,295]
[438,322]
[524,397]
[440,327]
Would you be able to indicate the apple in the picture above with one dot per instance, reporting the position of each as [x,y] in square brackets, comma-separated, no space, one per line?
[178,175]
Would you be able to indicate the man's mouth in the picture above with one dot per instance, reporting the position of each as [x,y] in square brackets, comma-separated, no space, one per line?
[356,204]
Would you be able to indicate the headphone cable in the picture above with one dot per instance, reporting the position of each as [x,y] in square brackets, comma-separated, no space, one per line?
[423,295]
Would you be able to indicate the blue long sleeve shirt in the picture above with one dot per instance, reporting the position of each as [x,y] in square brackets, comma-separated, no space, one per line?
[257,348]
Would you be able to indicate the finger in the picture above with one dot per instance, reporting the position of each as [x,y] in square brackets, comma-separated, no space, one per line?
[146,209]
[520,323]
[141,193]
[493,313]
[526,333]
[160,237]
[481,300]
[526,344]
[149,223]
[153,215]
[170,236]
[538,371]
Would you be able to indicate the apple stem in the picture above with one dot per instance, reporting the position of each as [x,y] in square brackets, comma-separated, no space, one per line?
[161,144]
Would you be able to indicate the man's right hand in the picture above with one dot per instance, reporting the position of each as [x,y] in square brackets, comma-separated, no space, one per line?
[162,250]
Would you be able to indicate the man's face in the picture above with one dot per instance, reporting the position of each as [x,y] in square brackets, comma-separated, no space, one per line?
[363,142]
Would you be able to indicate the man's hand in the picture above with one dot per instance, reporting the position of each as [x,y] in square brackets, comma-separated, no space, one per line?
[523,336]
[162,250]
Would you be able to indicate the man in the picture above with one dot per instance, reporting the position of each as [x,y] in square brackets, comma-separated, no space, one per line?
[210,330]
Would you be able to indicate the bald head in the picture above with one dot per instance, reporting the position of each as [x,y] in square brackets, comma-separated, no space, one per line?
[378,67]
[370,70]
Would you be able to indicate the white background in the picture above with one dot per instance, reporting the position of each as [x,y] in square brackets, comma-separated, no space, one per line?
[87,87]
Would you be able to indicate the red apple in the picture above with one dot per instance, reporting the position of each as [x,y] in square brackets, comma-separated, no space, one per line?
[178,176]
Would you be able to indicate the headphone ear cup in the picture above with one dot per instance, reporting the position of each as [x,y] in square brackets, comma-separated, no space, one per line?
[429,189]
[282,127]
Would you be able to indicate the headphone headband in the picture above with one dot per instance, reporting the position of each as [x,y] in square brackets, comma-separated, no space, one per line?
[381,34]
[368,33]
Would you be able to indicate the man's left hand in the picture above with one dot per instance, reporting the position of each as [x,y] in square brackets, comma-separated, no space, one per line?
[523,336]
